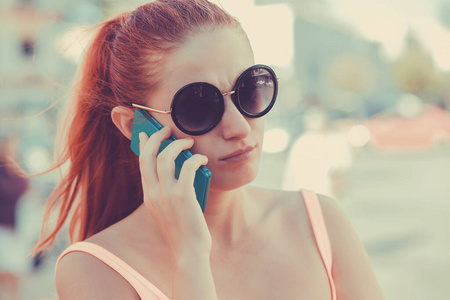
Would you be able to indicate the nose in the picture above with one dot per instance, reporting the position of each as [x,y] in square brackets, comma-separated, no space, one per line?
[233,124]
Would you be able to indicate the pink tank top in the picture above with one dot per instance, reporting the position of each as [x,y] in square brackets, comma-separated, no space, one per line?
[147,291]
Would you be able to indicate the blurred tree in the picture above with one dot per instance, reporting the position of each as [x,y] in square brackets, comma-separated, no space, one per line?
[443,91]
[414,70]
[352,76]
[351,73]
[112,8]
[444,12]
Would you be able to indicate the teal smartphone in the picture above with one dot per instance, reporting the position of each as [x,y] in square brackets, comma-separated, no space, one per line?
[144,122]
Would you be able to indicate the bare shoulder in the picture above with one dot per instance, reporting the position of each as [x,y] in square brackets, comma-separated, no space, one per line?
[292,202]
[272,200]
[339,227]
[274,196]
[340,230]
[284,207]
[352,270]
[332,211]
[82,276]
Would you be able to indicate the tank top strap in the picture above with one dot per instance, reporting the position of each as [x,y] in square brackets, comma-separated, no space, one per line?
[320,232]
[136,280]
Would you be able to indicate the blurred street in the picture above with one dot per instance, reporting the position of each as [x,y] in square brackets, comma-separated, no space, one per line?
[398,204]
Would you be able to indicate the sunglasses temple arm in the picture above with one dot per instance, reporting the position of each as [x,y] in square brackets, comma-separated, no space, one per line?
[151,109]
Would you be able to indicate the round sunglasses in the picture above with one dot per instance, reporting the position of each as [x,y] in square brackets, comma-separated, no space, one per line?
[198,107]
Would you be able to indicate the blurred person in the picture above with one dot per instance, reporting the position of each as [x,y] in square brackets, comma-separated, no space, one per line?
[13,255]
[136,231]
[318,157]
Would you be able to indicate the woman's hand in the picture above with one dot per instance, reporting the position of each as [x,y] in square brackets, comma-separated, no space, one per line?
[171,202]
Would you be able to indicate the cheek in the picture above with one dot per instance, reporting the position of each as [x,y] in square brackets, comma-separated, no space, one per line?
[165,120]
[201,145]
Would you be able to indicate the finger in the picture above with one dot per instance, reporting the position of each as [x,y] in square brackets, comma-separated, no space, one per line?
[148,148]
[166,161]
[189,168]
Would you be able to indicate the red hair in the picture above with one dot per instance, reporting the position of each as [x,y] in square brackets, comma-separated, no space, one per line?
[102,184]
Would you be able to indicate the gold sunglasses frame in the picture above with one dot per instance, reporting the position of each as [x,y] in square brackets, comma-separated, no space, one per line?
[168,111]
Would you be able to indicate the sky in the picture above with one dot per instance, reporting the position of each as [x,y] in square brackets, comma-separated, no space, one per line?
[265,23]
[387,22]
[383,21]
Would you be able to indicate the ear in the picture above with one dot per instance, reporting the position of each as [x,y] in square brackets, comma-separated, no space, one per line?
[122,117]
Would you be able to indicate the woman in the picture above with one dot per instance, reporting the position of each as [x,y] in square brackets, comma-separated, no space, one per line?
[143,234]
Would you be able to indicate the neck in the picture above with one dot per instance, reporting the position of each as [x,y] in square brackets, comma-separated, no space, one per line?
[227,215]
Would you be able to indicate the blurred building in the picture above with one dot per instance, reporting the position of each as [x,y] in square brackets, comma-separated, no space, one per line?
[335,67]
[444,12]
[37,69]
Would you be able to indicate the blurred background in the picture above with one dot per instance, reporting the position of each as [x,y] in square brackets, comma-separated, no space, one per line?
[362,116]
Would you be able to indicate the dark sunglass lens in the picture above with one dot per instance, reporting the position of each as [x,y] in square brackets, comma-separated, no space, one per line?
[256,91]
[198,107]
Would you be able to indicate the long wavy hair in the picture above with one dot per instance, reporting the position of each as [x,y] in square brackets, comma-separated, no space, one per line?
[102,184]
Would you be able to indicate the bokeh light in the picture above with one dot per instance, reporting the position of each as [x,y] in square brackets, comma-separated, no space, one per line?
[358,136]
[275,140]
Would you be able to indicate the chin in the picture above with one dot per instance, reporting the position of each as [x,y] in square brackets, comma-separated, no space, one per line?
[233,179]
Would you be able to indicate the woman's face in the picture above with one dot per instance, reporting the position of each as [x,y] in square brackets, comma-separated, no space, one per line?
[218,58]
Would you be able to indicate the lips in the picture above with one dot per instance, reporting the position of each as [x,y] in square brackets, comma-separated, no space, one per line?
[238,152]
